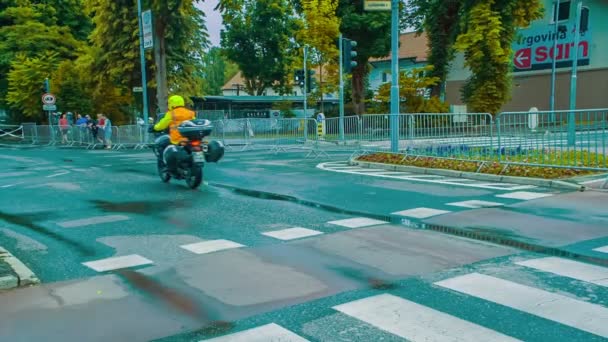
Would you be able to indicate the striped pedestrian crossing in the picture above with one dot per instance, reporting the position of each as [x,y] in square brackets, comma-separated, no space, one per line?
[399,315]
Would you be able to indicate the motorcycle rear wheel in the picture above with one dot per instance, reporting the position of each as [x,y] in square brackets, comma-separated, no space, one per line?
[195,177]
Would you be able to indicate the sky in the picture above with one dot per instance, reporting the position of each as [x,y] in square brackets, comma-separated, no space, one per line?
[214,20]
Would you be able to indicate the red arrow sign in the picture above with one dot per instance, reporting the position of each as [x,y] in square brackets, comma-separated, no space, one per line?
[523,58]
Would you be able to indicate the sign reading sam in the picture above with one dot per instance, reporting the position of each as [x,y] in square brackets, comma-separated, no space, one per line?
[534,48]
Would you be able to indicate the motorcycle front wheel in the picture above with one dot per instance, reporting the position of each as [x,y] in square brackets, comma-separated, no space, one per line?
[195,178]
[165,177]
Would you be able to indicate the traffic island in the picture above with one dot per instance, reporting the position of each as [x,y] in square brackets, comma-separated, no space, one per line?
[508,171]
[13,273]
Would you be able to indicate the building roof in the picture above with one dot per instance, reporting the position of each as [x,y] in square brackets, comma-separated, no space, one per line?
[250,99]
[236,79]
[411,46]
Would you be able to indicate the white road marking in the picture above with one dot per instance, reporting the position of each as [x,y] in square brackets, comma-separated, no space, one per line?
[93,220]
[572,269]
[421,212]
[292,233]
[116,263]
[581,315]
[416,322]
[211,246]
[415,177]
[593,181]
[58,174]
[331,166]
[601,249]
[14,174]
[524,195]
[266,333]
[10,185]
[474,204]
[357,222]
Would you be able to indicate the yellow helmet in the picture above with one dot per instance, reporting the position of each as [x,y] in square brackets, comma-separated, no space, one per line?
[176,101]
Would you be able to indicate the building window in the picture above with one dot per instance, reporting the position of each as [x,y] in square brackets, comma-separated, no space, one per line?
[384,77]
[564,11]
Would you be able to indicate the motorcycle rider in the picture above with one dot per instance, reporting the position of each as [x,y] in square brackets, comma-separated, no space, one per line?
[177,114]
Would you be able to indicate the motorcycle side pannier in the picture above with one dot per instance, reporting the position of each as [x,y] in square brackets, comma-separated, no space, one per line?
[215,151]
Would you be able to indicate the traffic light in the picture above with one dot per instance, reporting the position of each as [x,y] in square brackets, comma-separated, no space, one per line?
[310,81]
[46,86]
[299,77]
[584,24]
[349,54]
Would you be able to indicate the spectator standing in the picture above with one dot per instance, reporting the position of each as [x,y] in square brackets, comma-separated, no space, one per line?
[101,127]
[107,128]
[64,127]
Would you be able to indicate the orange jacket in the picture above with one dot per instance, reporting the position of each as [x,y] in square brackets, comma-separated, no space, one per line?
[172,119]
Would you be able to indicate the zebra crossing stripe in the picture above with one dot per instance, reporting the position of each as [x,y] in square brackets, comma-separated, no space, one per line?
[601,249]
[416,322]
[116,263]
[581,315]
[572,269]
[93,221]
[264,333]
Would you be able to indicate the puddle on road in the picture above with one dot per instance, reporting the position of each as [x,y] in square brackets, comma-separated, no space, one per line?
[141,207]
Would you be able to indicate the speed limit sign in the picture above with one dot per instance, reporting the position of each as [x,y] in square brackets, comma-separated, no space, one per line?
[48,99]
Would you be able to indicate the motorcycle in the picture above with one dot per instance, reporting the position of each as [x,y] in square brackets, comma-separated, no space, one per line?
[186,160]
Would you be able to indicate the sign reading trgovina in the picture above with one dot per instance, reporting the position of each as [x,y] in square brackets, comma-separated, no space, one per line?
[534,49]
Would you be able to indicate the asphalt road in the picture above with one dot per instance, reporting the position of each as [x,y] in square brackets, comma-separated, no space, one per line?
[292,249]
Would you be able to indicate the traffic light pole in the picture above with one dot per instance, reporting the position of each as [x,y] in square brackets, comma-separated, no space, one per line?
[341,105]
[394,121]
[305,93]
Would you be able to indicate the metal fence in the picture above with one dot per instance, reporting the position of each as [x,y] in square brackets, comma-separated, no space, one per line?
[574,139]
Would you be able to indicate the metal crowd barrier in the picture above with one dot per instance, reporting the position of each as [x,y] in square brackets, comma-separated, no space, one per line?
[575,139]
[11,132]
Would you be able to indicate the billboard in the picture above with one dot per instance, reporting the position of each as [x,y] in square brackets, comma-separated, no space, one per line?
[533,48]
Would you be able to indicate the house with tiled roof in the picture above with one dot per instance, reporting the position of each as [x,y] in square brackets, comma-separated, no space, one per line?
[413,51]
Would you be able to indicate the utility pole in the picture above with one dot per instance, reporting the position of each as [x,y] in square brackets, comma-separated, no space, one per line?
[142,56]
[394,117]
[573,78]
[305,93]
[341,75]
[554,66]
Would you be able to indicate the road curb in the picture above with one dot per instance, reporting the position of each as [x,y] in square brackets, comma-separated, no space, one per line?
[547,183]
[23,275]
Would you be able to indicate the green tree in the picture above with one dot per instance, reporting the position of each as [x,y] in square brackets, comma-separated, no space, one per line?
[258,37]
[487,32]
[213,72]
[372,32]
[483,31]
[440,20]
[320,32]
[27,35]
[181,38]
[25,78]
[412,86]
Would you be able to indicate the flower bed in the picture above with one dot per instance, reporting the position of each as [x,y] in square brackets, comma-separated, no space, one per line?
[489,167]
